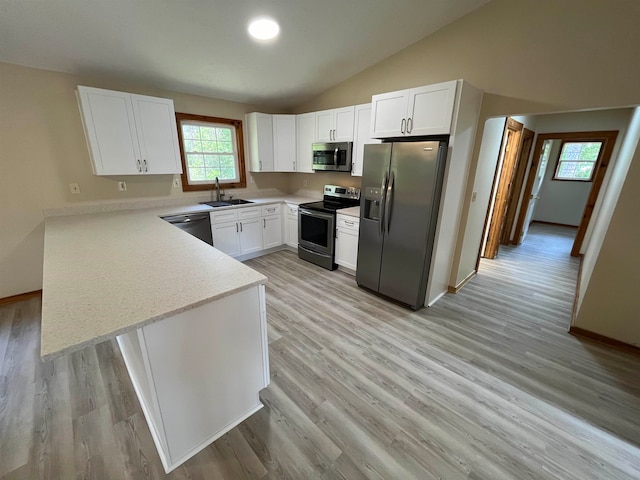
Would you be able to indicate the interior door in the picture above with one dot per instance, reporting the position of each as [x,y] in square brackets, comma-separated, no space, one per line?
[502,186]
[410,213]
[535,190]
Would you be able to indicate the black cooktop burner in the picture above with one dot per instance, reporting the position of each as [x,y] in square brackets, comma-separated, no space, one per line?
[330,205]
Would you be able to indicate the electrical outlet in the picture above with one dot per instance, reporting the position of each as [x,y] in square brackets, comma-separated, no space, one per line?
[122,186]
[251,179]
[474,196]
[176,183]
[75,188]
[305,182]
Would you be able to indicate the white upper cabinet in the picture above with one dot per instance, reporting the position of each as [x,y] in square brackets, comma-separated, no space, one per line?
[414,112]
[260,141]
[284,143]
[129,134]
[305,133]
[335,125]
[361,137]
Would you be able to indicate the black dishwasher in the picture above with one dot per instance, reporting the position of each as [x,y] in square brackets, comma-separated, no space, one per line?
[196,224]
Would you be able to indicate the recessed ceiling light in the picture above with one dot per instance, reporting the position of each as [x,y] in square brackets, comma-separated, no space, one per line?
[264,28]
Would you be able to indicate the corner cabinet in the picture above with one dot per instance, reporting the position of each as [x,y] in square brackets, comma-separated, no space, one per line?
[414,112]
[129,134]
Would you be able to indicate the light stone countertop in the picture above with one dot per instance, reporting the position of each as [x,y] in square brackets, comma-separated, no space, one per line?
[109,273]
[351,211]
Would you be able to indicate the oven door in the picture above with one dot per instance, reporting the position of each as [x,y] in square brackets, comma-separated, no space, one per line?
[316,231]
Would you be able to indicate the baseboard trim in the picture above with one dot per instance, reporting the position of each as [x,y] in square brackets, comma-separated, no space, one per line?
[554,223]
[459,286]
[20,297]
[612,342]
[574,308]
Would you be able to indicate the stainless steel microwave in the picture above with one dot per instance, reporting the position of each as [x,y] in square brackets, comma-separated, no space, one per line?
[333,157]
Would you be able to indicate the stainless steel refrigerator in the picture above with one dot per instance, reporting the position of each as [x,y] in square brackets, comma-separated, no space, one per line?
[400,196]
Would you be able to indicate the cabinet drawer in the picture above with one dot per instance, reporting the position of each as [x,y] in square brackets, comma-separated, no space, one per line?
[248,212]
[291,209]
[348,222]
[271,210]
[224,216]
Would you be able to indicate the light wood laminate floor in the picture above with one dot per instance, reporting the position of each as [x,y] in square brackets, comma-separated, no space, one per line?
[486,384]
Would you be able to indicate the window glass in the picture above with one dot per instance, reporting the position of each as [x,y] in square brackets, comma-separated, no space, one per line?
[577,161]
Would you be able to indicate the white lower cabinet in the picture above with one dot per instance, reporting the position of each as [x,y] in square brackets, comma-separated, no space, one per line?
[271,226]
[347,228]
[291,225]
[250,235]
[237,231]
[226,238]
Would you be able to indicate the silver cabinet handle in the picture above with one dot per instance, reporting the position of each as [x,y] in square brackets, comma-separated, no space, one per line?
[294,165]
[402,125]
[260,165]
[264,223]
[348,222]
[236,227]
[240,226]
[139,167]
[409,125]
[146,169]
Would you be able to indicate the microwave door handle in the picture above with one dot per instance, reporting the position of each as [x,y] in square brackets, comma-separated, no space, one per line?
[335,157]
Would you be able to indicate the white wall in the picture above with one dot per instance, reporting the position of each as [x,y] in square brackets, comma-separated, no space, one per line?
[560,202]
[618,317]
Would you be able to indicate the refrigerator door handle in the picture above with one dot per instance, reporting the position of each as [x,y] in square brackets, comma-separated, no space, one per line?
[388,200]
[383,202]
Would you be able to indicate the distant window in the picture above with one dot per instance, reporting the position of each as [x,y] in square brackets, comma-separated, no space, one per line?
[577,161]
[210,148]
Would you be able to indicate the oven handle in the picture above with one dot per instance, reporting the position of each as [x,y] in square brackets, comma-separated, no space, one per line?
[313,213]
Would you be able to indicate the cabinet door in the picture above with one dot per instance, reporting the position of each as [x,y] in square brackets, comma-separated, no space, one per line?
[431,109]
[324,125]
[306,136]
[284,143]
[157,134]
[260,135]
[292,230]
[272,231]
[343,124]
[226,237]
[250,235]
[347,248]
[361,137]
[110,128]
[388,110]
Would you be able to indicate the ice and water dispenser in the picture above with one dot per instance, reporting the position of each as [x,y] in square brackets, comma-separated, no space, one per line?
[372,202]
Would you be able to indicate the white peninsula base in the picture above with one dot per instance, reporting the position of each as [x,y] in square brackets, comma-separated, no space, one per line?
[198,374]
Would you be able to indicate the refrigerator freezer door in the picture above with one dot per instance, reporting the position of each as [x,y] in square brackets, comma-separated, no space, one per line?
[412,202]
[376,169]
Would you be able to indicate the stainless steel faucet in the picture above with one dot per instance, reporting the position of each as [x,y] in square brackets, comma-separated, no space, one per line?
[218,198]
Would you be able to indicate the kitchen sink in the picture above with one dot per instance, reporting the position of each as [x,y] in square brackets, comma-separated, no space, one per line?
[227,203]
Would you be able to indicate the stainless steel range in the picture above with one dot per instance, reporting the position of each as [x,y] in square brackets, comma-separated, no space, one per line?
[317,224]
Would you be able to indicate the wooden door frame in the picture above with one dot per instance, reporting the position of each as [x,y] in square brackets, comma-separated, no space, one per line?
[517,186]
[608,139]
[494,219]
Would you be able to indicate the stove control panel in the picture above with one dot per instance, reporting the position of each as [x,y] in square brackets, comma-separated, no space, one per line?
[351,193]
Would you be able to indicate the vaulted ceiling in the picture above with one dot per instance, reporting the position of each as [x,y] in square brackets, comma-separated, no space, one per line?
[201,46]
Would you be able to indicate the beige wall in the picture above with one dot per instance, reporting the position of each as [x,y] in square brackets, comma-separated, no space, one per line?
[586,59]
[43,149]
